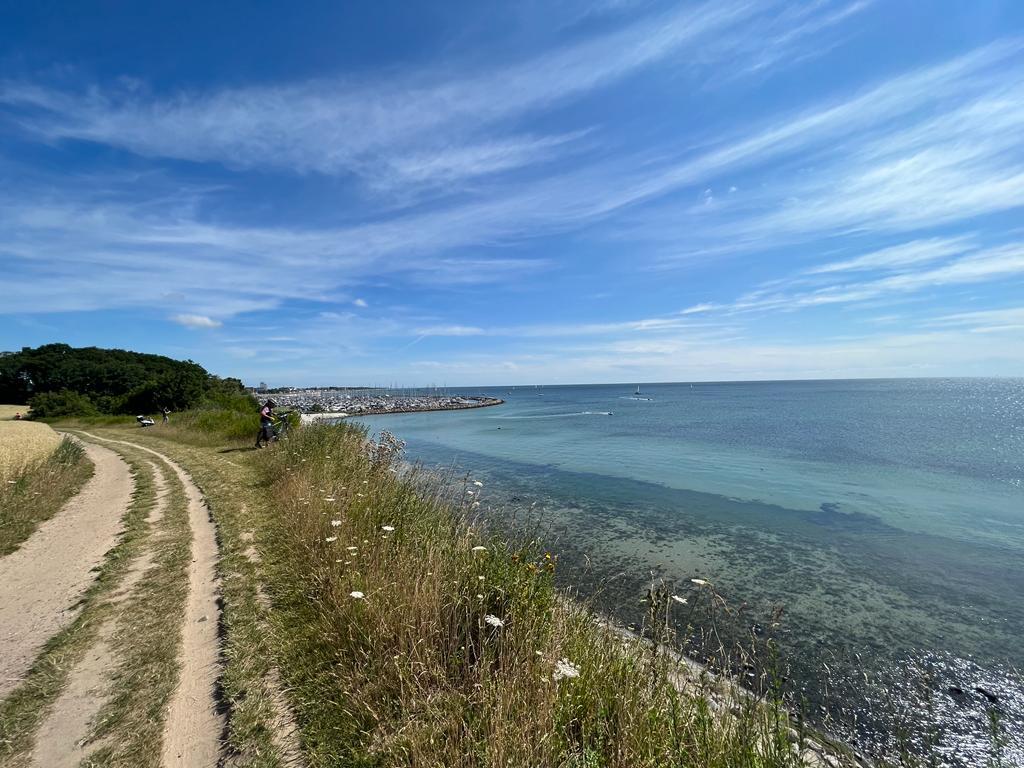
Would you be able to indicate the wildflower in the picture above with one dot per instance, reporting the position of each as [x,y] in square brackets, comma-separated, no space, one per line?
[678,599]
[331,538]
[335,523]
[480,578]
[478,484]
[479,596]
[357,595]
[387,528]
[494,621]
[329,498]
[365,482]
[565,668]
[478,548]
[352,549]
[469,493]
[699,582]
[361,495]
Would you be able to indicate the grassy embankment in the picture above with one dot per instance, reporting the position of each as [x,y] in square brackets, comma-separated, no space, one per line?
[405,637]
[39,472]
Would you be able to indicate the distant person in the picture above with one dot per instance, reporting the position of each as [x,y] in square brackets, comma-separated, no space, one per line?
[17,416]
[266,424]
[165,411]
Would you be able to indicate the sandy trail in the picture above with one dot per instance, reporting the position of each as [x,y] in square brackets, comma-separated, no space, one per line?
[194,725]
[60,741]
[40,583]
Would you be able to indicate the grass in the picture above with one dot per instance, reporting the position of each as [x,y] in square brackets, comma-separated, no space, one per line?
[41,487]
[147,638]
[406,636]
[409,639]
[22,442]
[228,481]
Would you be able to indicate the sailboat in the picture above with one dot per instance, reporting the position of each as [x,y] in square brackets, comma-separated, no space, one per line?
[637,395]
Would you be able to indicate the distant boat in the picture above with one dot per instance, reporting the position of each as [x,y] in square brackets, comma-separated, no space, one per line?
[637,390]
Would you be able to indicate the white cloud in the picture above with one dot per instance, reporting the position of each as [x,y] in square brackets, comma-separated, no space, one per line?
[903,255]
[421,126]
[360,303]
[196,321]
[449,330]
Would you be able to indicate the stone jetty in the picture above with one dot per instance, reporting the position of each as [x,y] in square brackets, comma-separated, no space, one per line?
[333,404]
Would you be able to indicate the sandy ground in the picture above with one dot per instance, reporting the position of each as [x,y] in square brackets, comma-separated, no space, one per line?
[194,724]
[60,741]
[41,582]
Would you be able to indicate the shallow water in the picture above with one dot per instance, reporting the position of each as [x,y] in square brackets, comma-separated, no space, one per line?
[885,517]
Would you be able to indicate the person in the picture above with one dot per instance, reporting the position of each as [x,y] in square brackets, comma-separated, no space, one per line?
[166,412]
[266,424]
[17,416]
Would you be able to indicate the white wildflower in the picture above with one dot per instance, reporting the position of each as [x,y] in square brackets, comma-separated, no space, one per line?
[387,528]
[565,668]
[494,621]
[478,484]
[475,504]
[352,549]
[335,523]
[699,582]
[478,548]
[361,495]
[329,498]
[480,578]
[357,595]
[678,599]
[479,596]
[469,493]
[331,538]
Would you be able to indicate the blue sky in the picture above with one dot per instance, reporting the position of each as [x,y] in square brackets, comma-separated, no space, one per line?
[531,192]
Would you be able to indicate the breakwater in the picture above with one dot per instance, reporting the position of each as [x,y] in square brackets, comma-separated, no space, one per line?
[320,404]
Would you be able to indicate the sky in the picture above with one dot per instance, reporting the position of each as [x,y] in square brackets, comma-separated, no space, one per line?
[545,191]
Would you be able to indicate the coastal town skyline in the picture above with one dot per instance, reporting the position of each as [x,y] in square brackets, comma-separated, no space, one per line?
[609,191]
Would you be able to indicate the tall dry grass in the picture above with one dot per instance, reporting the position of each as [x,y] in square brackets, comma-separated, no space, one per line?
[408,638]
[22,442]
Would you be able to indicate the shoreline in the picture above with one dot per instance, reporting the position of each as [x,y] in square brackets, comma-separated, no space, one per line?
[479,402]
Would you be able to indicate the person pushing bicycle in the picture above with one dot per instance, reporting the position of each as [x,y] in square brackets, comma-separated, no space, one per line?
[266,433]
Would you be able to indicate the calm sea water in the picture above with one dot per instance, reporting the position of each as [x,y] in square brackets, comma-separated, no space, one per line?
[885,517]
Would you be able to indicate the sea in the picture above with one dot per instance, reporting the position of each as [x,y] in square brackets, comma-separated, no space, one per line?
[866,535]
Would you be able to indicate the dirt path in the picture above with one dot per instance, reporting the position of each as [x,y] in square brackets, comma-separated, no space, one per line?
[60,741]
[194,726]
[40,583]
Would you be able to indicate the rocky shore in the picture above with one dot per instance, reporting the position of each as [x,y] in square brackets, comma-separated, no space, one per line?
[315,405]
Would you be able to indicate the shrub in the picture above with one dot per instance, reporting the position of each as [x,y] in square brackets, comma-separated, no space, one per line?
[63,403]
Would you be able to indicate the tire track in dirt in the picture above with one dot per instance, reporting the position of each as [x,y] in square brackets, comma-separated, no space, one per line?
[60,742]
[192,732]
[41,581]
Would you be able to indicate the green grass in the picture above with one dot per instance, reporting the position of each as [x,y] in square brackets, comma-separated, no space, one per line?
[414,672]
[146,640]
[38,491]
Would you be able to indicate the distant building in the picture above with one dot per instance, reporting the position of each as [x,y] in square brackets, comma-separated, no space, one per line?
[263,386]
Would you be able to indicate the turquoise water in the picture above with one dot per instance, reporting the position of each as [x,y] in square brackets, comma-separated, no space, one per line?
[885,517]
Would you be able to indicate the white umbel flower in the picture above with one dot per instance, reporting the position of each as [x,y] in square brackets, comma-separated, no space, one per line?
[565,668]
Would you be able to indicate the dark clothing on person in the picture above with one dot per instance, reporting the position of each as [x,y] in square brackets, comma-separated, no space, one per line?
[266,433]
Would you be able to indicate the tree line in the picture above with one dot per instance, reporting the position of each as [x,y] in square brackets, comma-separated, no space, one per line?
[60,380]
